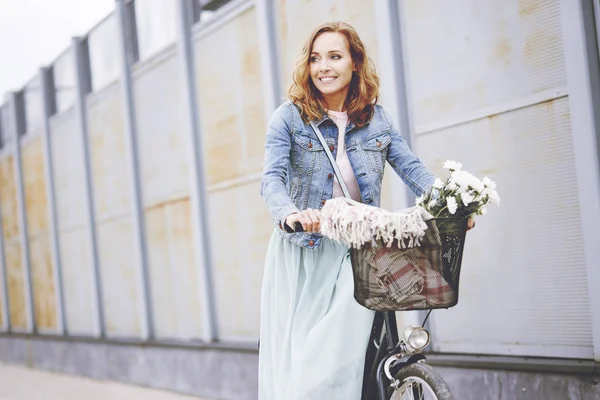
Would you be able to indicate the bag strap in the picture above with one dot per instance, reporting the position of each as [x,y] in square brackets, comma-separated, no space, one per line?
[337,171]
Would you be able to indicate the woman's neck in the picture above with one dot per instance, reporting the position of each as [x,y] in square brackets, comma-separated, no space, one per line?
[336,103]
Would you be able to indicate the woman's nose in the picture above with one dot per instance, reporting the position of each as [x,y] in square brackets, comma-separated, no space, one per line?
[324,66]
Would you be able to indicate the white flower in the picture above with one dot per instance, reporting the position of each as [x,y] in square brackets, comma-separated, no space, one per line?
[487,182]
[438,184]
[419,199]
[483,210]
[432,203]
[452,206]
[465,179]
[467,198]
[452,165]
[494,197]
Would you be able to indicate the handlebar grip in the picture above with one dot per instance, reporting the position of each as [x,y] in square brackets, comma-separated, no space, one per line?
[297,228]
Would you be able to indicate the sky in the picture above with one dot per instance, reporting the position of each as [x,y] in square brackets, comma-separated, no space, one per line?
[35,32]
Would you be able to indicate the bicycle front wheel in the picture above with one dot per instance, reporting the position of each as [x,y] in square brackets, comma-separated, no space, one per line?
[420,382]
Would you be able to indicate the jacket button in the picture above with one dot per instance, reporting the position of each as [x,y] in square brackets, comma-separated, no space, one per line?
[378,144]
[323,203]
[310,145]
[330,176]
[331,147]
[311,242]
[280,227]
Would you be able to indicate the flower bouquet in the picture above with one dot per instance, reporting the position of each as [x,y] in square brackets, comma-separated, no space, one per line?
[461,195]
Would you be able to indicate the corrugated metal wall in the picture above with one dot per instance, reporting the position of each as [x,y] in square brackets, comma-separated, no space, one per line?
[497,101]
[487,87]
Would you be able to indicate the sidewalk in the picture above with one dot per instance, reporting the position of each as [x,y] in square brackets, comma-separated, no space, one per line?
[19,383]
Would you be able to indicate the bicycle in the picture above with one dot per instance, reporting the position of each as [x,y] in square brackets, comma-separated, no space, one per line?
[395,370]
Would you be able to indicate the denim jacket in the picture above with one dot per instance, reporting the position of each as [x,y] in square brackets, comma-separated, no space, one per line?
[298,175]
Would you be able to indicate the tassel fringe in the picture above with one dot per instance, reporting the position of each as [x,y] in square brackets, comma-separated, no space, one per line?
[354,224]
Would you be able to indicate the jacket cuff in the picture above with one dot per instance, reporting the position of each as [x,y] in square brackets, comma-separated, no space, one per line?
[284,213]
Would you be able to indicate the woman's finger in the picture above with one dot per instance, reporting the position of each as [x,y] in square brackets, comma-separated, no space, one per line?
[312,220]
[315,217]
[471,223]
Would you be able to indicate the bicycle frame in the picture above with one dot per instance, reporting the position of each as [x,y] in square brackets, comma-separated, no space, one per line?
[382,345]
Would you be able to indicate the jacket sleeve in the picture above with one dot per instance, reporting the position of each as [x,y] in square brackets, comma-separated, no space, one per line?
[405,163]
[275,169]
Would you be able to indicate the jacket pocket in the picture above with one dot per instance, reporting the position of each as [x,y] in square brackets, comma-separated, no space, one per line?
[306,154]
[375,150]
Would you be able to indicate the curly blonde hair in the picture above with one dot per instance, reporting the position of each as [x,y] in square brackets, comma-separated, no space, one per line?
[364,86]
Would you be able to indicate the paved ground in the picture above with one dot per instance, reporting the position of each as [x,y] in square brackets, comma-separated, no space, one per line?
[18,383]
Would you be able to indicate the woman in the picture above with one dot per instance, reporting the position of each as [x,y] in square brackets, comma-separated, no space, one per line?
[313,334]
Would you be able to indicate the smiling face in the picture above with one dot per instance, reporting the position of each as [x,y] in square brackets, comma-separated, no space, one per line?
[331,68]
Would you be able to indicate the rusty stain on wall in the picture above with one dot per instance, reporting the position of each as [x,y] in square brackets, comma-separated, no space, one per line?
[528,7]
[16,284]
[8,199]
[12,243]
[538,45]
[503,51]
[35,187]
[42,274]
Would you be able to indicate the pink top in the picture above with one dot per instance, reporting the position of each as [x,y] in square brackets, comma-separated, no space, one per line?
[341,120]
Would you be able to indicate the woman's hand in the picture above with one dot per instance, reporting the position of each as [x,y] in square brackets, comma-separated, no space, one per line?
[309,218]
[471,223]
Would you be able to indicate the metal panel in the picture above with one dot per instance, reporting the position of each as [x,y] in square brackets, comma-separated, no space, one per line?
[164,168]
[175,280]
[164,165]
[121,292]
[83,83]
[233,121]
[583,68]
[4,307]
[15,291]
[112,191]
[239,260]
[524,279]
[33,101]
[155,22]
[499,52]
[64,76]
[71,200]
[108,151]
[47,95]
[105,59]
[41,268]
[22,212]
[199,208]
[298,18]
[131,131]
[43,285]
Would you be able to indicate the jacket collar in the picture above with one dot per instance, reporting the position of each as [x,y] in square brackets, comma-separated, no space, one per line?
[325,117]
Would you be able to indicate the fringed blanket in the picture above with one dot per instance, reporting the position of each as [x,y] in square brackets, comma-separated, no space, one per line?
[354,224]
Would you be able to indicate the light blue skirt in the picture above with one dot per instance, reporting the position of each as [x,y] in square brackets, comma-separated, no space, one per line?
[313,334]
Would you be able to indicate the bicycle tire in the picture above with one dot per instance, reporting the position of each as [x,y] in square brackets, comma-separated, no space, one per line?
[427,374]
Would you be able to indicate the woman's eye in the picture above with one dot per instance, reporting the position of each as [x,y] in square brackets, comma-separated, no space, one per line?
[314,59]
[336,57]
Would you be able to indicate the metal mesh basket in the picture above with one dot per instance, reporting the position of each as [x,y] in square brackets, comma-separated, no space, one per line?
[417,278]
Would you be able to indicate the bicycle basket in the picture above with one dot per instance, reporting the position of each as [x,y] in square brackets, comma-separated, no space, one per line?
[389,278]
